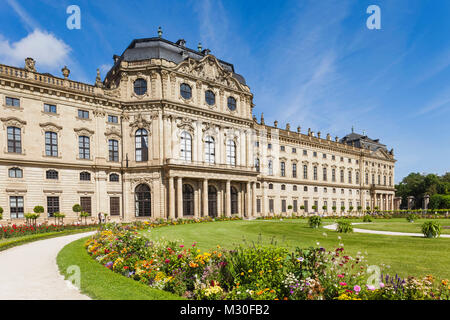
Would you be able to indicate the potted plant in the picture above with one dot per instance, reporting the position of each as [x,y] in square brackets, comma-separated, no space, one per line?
[314,208]
[60,216]
[411,217]
[84,215]
[342,209]
[359,208]
[350,209]
[324,208]
[431,229]
[77,209]
[334,209]
[302,207]
[315,221]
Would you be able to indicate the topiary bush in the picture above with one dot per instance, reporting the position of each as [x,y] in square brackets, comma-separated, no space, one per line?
[431,229]
[1,213]
[344,226]
[367,218]
[315,221]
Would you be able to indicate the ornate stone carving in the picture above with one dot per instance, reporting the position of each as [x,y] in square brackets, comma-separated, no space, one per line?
[84,132]
[140,123]
[13,122]
[49,126]
[113,132]
[186,124]
[30,64]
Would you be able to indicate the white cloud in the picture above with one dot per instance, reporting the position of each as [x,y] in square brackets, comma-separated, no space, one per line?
[48,51]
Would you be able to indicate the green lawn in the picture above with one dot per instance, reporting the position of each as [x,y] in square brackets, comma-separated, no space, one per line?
[401,225]
[99,282]
[405,255]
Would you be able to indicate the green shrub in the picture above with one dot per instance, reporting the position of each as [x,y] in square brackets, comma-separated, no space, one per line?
[315,221]
[344,226]
[1,213]
[411,217]
[39,210]
[367,218]
[431,229]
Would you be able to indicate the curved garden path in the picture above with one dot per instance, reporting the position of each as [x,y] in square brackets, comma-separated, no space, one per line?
[386,233]
[30,272]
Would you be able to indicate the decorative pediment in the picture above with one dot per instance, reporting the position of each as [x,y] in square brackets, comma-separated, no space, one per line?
[113,132]
[49,126]
[208,68]
[84,132]
[186,124]
[140,123]
[13,122]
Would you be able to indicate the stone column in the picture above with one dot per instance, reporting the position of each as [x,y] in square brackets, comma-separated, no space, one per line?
[248,200]
[205,198]
[254,213]
[171,193]
[228,198]
[179,197]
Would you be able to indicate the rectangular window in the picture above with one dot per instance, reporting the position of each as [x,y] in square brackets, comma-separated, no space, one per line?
[324,156]
[305,153]
[294,170]
[258,205]
[283,205]
[306,205]
[283,169]
[316,205]
[12,102]
[52,205]
[271,205]
[294,150]
[51,108]
[83,114]
[269,146]
[342,176]
[315,173]
[305,172]
[113,150]
[114,206]
[14,140]
[86,204]
[349,176]
[314,154]
[333,175]
[324,174]
[51,144]
[282,148]
[16,206]
[84,147]
[294,206]
[113,119]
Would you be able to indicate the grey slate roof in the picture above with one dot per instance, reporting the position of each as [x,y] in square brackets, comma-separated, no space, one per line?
[362,141]
[159,48]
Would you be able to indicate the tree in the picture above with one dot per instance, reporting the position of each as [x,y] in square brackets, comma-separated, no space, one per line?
[77,208]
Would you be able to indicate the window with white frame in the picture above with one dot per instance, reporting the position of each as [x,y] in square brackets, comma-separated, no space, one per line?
[231,152]
[209,149]
[186,146]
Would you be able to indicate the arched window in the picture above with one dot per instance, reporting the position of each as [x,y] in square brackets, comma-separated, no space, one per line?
[234,200]
[209,149]
[142,198]
[51,144]
[114,177]
[14,140]
[15,173]
[84,147]
[186,146]
[270,167]
[140,87]
[51,174]
[141,145]
[188,200]
[210,97]
[85,176]
[185,91]
[231,152]
[231,103]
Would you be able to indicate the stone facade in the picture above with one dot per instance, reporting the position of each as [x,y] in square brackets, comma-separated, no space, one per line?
[166,137]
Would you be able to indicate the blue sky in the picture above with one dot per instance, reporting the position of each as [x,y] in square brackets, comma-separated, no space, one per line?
[309,63]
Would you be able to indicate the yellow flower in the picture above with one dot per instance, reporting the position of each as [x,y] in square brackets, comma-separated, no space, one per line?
[242,273]
[250,271]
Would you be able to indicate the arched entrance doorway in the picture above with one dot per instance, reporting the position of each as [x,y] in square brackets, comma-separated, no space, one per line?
[188,200]
[212,201]
[143,203]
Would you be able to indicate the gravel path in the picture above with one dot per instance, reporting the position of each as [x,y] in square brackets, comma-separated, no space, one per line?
[386,233]
[30,272]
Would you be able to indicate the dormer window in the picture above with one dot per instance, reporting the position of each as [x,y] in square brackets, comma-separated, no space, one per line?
[140,87]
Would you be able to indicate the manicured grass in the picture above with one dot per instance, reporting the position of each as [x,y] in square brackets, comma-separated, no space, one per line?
[101,283]
[401,225]
[405,255]
[17,241]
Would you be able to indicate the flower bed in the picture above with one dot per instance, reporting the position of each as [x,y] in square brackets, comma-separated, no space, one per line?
[24,230]
[254,272]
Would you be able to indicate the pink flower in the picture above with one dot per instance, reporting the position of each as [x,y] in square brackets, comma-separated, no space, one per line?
[357,288]
[340,275]
[181,246]
[342,283]
[167,261]
[381,285]
[371,288]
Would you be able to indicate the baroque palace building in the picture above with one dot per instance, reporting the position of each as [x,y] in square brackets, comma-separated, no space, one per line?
[170,133]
